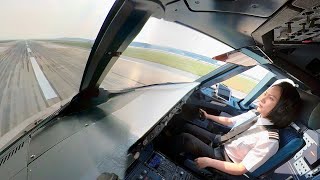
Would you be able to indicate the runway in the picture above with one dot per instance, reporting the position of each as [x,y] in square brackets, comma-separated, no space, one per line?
[34,75]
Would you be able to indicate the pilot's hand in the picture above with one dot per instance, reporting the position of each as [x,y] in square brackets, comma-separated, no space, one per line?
[203,114]
[202,162]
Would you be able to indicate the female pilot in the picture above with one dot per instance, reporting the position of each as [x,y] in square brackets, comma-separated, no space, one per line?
[277,107]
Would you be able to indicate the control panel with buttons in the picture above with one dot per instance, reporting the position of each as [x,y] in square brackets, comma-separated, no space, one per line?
[142,172]
[158,167]
[306,163]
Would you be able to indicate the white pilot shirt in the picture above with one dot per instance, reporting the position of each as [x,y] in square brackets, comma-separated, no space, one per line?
[254,149]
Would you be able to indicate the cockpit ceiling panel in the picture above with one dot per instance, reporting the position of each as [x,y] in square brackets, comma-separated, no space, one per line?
[232,29]
[262,8]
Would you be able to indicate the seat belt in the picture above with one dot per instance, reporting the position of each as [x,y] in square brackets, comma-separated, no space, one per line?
[272,131]
[238,129]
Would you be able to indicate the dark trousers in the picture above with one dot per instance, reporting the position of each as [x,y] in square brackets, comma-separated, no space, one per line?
[197,142]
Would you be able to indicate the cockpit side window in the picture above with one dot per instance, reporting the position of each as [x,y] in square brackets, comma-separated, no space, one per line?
[241,84]
[164,52]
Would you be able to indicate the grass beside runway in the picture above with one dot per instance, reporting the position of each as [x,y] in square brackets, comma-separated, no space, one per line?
[81,44]
[6,41]
[193,66]
[179,62]
[241,84]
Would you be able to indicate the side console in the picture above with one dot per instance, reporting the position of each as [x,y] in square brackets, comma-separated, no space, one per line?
[306,163]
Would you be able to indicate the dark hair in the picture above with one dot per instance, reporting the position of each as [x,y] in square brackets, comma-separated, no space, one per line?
[287,107]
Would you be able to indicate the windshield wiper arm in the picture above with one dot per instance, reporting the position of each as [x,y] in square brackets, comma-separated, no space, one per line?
[144,86]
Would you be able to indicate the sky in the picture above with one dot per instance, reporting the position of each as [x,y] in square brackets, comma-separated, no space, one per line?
[35,19]
[174,35]
[52,18]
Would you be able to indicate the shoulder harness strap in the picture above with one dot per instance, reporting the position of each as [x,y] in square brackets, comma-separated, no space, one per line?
[272,131]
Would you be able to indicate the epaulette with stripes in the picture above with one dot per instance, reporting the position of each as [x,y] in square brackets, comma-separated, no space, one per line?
[273,134]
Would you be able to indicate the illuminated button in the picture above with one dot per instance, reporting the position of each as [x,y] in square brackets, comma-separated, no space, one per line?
[181,173]
[140,177]
[144,172]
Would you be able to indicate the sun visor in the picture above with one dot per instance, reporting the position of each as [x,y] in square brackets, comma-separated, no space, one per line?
[249,56]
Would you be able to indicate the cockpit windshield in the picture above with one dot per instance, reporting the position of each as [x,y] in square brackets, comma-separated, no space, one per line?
[44,47]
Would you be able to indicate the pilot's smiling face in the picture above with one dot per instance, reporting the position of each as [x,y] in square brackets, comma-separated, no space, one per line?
[268,100]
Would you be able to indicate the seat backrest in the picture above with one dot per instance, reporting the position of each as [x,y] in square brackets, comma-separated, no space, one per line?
[290,142]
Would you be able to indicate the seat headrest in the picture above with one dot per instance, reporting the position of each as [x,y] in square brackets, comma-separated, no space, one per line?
[314,119]
[308,104]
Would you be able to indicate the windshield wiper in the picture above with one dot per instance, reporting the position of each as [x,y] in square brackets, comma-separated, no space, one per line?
[144,86]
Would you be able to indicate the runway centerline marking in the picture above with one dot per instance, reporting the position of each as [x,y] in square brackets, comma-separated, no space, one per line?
[29,50]
[45,86]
